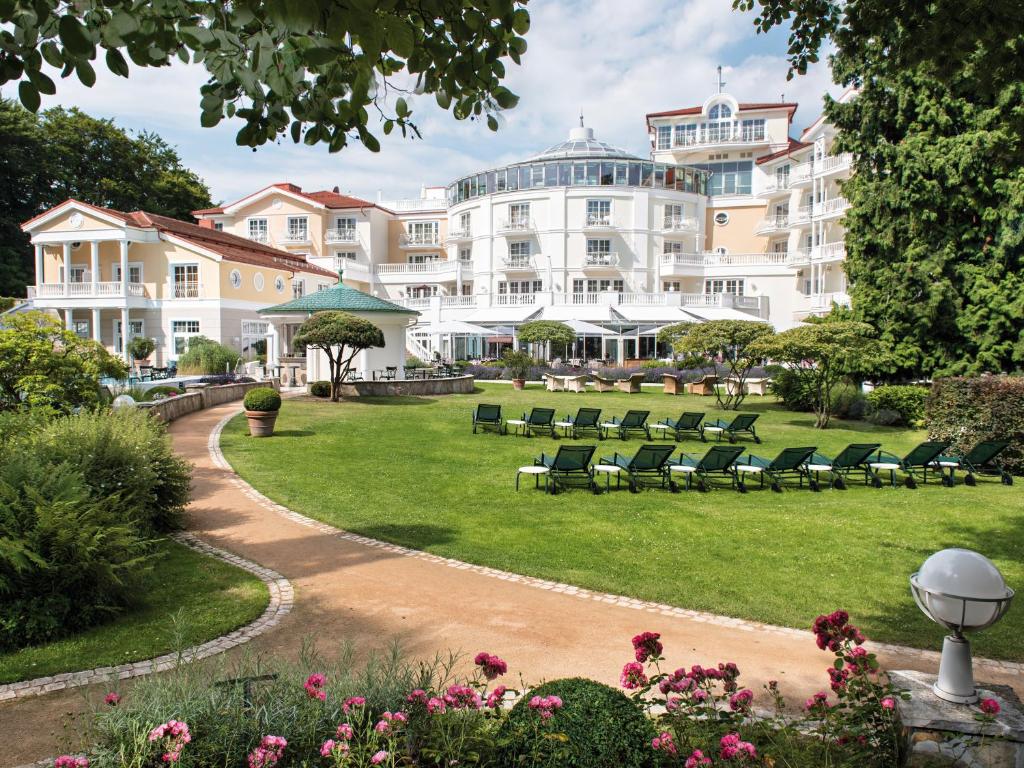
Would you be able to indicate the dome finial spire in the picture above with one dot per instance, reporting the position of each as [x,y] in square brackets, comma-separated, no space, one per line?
[581,118]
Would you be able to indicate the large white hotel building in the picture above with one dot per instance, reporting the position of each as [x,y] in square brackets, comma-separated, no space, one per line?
[728,217]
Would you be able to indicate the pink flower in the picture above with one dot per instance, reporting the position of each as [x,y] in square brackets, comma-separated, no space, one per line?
[495,697]
[833,630]
[462,697]
[379,757]
[269,751]
[663,742]
[888,703]
[817,702]
[990,706]
[740,702]
[545,706]
[673,703]
[175,735]
[345,731]
[111,699]
[70,761]
[314,686]
[647,645]
[387,719]
[327,748]
[696,759]
[436,706]
[735,749]
[633,676]
[352,702]
[491,666]
[838,678]
[419,696]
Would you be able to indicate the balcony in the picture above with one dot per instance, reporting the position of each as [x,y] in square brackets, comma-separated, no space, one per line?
[459,236]
[296,237]
[830,209]
[85,290]
[519,264]
[777,223]
[435,271]
[600,261]
[801,215]
[831,164]
[258,237]
[418,240]
[598,221]
[801,175]
[516,225]
[829,252]
[679,225]
[514,299]
[671,263]
[184,290]
[820,304]
[461,302]
[344,236]
[775,188]
[716,138]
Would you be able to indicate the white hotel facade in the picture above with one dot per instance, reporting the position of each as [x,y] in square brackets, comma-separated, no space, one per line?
[729,217]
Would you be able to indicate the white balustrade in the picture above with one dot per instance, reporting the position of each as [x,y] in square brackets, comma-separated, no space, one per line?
[516,225]
[458,301]
[184,290]
[831,207]
[644,299]
[524,263]
[610,259]
[679,224]
[418,240]
[832,164]
[514,299]
[344,235]
[428,267]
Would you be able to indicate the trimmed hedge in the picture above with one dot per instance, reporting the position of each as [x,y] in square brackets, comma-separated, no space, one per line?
[320,389]
[262,399]
[905,401]
[602,728]
[967,410]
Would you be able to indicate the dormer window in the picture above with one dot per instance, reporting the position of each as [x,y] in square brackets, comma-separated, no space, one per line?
[720,112]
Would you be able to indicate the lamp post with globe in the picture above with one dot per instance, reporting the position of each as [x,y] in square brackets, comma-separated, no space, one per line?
[963,591]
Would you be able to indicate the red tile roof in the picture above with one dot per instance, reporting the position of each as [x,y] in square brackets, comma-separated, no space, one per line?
[794,145]
[326,198]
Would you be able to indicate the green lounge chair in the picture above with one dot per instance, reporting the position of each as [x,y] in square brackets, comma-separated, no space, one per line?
[633,421]
[922,457]
[540,420]
[720,459]
[649,464]
[742,422]
[687,422]
[585,420]
[980,460]
[570,465]
[488,417]
[853,458]
[789,463]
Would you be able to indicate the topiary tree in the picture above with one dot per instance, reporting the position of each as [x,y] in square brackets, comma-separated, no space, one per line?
[547,332]
[341,337]
[597,726]
[730,340]
[821,354]
[265,399]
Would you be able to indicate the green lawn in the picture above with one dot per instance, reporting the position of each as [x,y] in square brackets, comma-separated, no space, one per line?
[189,598]
[408,470]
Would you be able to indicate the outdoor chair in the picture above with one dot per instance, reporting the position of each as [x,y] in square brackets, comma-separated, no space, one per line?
[788,464]
[922,457]
[602,384]
[719,460]
[705,385]
[633,421]
[853,458]
[540,420]
[577,383]
[980,460]
[647,466]
[571,465]
[672,384]
[741,423]
[488,417]
[585,420]
[631,385]
[687,422]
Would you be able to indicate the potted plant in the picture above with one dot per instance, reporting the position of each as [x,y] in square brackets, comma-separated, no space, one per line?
[140,348]
[518,364]
[261,407]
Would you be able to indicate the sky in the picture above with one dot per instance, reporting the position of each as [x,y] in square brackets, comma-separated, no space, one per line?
[614,61]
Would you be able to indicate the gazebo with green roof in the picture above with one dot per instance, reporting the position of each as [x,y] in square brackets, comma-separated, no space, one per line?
[285,319]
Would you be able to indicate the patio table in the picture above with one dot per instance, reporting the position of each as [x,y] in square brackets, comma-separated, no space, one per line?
[608,470]
[536,472]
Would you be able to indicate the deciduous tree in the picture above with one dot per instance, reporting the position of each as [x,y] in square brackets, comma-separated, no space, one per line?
[341,336]
[731,341]
[547,332]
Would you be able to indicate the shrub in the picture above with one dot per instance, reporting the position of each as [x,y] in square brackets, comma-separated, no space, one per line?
[601,725]
[262,399]
[791,390]
[848,402]
[160,392]
[141,347]
[518,363]
[207,356]
[320,389]
[884,417]
[967,410]
[411,361]
[907,402]
[226,378]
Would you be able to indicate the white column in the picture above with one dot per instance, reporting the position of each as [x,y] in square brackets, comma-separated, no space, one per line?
[124,267]
[67,268]
[96,330]
[69,316]
[95,266]
[39,265]
[124,329]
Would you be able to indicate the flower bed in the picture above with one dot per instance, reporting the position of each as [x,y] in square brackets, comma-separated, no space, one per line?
[652,374]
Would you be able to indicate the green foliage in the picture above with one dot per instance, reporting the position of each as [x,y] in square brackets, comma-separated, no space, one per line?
[43,365]
[735,341]
[411,361]
[967,410]
[517,362]
[313,69]
[262,399]
[141,347]
[160,392]
[797,394]
[320,389]
[821,355]
[670,334]
[341,336]
[552,332]
[205,355]
[601,726]
[906,401]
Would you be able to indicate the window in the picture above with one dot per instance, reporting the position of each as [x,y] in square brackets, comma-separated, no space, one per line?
[595,286]
[519,249]
[599,213]
[80,328]
[236,278]
[664,136]
[782,177]
[185,281]
[780,246]
[77,274]
[181,332]
[520,286]
[753,130]
[673,216]
[597,247]
[671,287]
[298,288]
[134,273]
[721,218]
[345,222]
[465,222]
[258,230]
[781,215]
[465,255]
[279,284]
[218,226]
[342,256]
[322,287]
[720,112]
[729,178]
[422,258]
[686,135]
[735,287]
[298,229]
[672,247]
[422,232]
[257,281]
[519,215]
[135,328]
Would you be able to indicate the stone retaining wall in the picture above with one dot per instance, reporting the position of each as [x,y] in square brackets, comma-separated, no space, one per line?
[200,396]
[455,385]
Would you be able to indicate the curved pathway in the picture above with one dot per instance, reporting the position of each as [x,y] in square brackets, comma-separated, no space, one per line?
[349,588]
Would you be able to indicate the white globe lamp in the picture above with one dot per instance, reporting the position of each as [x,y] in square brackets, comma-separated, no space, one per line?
[963,591]
[123,401]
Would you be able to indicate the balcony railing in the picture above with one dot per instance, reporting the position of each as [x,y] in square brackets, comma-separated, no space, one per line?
[706,138]
[679,224]
[601,260]
[801,174]
[777,186]
[517,225]
[459,235]
[514,299]
[259,237]
[345,235]
[776,223]
[86,290]
[832,207]
[724,259]
[427,267]
[297,236]
[524,263]
[801,215]
[832,164]
[418,240]
[458,301]
[598,221]
[576,298]
[415,302]
[184,290]
[829,251]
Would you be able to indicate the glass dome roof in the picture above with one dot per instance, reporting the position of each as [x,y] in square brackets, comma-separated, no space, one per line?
[582,144]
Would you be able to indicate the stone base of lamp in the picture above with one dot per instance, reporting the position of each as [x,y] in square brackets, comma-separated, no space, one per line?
[941,733]
[956,676]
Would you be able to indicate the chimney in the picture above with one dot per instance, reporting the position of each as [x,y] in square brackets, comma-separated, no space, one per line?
[336,190]
[205,223]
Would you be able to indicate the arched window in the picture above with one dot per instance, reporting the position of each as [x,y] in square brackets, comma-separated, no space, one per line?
[720,112]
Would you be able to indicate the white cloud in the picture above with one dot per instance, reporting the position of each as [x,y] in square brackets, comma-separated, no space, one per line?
[615,61]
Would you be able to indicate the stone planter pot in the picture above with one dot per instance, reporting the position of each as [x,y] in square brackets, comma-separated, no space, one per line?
[518,383]
[261,423]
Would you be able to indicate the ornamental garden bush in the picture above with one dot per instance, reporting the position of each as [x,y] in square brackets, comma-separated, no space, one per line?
[205,355]
[966,410]
[904,400]
[262,399]
[320,389]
